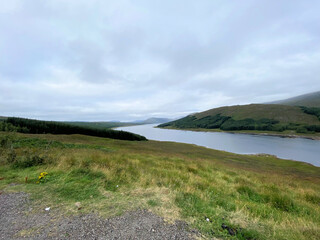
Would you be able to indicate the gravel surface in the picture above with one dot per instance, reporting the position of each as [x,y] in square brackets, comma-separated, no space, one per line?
[19,221]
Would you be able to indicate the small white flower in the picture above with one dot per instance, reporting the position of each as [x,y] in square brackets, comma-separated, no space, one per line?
[47,209]
[207,219]
[117,185]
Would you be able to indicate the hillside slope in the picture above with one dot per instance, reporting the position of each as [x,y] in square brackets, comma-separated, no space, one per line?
[308,100]
[266,117]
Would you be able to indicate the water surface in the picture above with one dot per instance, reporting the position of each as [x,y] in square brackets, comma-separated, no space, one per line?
[299,149]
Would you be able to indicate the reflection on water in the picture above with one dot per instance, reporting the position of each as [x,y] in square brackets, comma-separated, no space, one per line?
[299,149]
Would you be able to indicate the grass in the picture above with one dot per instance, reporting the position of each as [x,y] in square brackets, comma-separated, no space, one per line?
[244,197]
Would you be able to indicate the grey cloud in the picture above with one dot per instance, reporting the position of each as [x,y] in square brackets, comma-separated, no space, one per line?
[121,60]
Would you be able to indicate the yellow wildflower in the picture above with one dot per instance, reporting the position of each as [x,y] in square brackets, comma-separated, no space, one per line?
[42,177]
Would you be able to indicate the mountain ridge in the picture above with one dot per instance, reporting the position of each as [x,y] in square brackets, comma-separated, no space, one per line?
[307,100]
[153,120]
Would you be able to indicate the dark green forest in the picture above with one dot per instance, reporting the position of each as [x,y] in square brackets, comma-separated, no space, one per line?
[312,111]
[101,125]
[24,125]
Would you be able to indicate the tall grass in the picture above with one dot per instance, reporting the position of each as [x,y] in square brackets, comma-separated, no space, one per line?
[223,195]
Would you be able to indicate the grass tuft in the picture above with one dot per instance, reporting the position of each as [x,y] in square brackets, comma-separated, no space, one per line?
[313,198]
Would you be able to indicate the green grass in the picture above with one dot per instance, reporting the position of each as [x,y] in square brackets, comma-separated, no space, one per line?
[253,197]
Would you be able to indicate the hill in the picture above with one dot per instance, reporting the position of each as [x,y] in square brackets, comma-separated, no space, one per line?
[307,100]
[260,117]
[153,121]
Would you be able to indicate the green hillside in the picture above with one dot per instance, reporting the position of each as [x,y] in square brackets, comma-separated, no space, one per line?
[260,117]
[308,100]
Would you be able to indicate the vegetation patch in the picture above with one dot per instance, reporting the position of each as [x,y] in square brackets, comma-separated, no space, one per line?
[312,111]
[28,160]
[282,202]
[80,185]
[249,193]
[153,203]
[313,198]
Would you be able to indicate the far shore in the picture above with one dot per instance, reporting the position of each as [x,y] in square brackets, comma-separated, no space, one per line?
[312,136]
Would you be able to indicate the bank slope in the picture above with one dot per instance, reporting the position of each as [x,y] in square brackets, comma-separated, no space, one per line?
[260,117]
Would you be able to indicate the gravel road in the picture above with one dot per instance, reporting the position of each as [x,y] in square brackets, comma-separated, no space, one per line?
[18,221]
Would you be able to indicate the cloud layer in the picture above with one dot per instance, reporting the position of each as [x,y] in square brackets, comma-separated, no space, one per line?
[126,60]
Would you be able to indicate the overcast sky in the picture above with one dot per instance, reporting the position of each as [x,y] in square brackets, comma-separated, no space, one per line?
[126,60]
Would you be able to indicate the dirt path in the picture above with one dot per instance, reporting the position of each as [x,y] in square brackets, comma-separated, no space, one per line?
[17,221]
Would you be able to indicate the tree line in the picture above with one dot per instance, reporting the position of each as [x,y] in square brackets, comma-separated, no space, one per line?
[25,125]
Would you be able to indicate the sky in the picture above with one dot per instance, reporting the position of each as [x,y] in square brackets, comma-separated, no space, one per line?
[124,60]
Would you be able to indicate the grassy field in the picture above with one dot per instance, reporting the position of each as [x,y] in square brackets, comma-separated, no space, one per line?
[224,195]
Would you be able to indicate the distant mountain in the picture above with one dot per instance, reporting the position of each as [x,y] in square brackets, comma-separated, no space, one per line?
[114,124]
[266,117]
[308,100]
[153,121]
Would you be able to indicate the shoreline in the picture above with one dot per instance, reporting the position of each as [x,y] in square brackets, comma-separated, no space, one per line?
[275,134]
